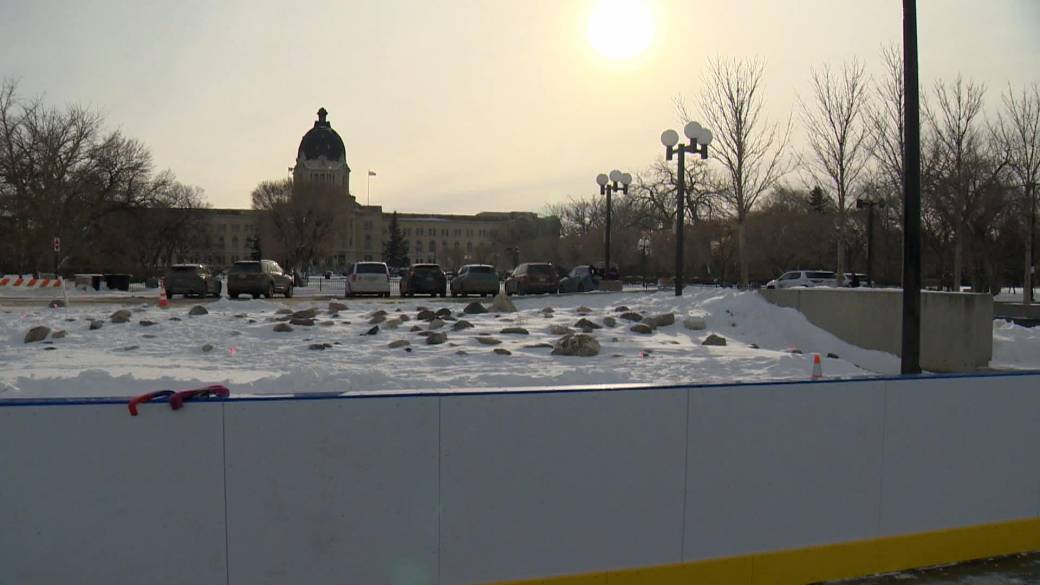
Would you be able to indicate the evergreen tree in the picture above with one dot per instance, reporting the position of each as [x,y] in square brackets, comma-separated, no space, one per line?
[395,252]
[819,201]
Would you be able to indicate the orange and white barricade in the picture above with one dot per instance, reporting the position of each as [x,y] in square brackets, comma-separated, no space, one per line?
[28,282]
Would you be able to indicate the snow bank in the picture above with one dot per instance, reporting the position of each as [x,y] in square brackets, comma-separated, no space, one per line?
[1015,347]
[248,356]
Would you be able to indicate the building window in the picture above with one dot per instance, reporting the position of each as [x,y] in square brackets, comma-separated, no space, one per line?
[368,242]
[469,233]
[469,246]
[433,246]
[457,245]
[444,232]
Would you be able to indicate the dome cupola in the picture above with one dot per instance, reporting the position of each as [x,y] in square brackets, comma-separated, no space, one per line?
[322,141]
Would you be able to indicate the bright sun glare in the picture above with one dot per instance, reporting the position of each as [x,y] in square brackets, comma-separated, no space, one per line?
[621,29]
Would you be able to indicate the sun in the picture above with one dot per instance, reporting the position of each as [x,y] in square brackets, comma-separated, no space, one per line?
[621,29]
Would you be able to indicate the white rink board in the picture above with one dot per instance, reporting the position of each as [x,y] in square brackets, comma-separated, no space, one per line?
[961,451]
[775,467]
[543,484]
[332,491]
[90,495]
[469,488]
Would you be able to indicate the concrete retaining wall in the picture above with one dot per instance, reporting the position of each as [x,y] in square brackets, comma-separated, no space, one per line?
[478,488]
[956,328]
[1017,312]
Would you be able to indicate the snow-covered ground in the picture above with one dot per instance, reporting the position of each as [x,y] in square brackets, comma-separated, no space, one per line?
[1015,347]
[1010,295]
[249,357]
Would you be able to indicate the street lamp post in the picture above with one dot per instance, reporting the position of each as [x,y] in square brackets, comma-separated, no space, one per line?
[870,203]
[1030,282]
[606,188]
[910,352]
[644,249]
[700,138]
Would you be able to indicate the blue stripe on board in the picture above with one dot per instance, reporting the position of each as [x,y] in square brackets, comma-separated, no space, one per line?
[122,400]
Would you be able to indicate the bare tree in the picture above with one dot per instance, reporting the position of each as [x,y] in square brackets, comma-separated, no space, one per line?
[654,192]
[1017,134]
[60,176]
[834,123]
[170,226]
[884,116]
[750,149]
[956,128]
[298,220]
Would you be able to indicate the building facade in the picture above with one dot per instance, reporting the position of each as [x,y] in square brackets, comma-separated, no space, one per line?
[448,239]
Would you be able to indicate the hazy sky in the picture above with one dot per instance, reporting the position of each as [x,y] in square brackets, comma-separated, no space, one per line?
[458,105]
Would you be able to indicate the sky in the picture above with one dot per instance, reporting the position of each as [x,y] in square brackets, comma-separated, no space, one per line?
[459,106]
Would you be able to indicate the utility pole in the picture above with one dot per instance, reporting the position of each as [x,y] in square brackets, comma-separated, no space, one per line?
[1030,280]
[911,334]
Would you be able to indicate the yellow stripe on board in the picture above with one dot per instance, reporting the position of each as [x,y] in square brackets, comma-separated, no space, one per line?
[828,562]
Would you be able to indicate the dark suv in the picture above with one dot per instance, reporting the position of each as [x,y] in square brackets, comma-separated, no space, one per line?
[191,279]
[258,278]
[424,279]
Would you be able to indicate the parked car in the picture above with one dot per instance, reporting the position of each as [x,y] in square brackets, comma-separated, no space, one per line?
[369,278]
[477,279]
[192,279]
[258,278]
[807,278]
[580,279]
[533,277]
[855,279]
[423,279]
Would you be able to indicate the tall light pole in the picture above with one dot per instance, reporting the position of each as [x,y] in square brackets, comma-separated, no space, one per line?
[870,203]
[911,335]
[606,188]
[1030,281]
[700,138]
[371,174]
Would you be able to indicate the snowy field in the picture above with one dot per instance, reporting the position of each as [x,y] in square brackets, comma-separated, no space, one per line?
[235,344]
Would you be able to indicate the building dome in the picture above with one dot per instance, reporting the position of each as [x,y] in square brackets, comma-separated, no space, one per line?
[322,141]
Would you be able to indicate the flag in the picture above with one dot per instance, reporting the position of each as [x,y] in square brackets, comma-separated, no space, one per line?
[371,173]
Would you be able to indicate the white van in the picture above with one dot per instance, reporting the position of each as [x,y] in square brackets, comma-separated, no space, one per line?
[368,278]
[804,278]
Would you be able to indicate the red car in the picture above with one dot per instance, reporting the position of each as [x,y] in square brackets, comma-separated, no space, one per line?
[533,277]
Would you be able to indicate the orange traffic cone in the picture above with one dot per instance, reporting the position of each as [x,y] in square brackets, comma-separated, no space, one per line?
[163,301]
[817,367]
